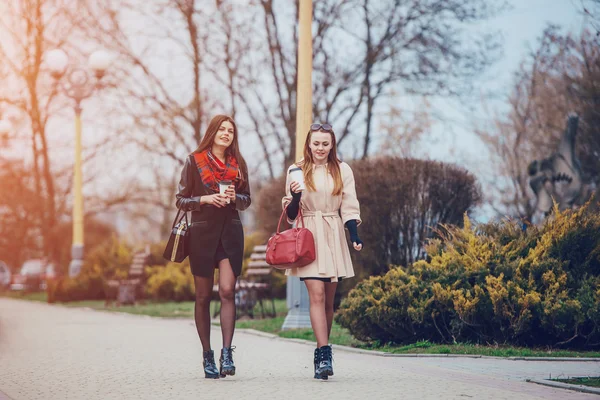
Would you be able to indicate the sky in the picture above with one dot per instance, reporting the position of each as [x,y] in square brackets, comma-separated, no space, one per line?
[520,28]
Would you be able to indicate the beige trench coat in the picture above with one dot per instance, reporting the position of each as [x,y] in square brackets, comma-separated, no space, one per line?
[325,216]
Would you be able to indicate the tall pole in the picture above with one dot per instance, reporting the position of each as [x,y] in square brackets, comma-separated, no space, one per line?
[77,247]
[78,86]
[297,296]
[304,88]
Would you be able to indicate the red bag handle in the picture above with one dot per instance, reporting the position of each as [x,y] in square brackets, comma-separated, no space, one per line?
[284,211]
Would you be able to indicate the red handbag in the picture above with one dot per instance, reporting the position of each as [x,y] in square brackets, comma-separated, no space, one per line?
[292,248]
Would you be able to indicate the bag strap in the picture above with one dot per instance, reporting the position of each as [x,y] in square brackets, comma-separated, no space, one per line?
[299,214]
[178,220]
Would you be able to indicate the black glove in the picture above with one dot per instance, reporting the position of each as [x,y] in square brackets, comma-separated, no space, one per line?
[294,206]
[352,226]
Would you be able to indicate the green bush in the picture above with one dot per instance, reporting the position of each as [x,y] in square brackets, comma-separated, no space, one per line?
[402,201]
[109,260]
[83,287]
[492,284]
[173,282]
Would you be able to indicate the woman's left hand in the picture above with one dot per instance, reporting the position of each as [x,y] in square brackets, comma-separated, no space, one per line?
[357,246]
[230,192]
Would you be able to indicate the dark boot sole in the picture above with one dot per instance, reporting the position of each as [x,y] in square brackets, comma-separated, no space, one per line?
[322,376]
[211,376]
[225,372]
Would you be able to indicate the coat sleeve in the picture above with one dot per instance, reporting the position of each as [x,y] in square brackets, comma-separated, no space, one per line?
[350,209]
[242,198]
[185,199]
[287,199]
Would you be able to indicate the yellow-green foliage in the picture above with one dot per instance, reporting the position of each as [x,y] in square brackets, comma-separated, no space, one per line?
[173,282]
[110,259]
[490,284]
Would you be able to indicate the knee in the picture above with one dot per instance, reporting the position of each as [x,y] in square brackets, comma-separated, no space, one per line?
[226,293]
[317,297]
[202,299]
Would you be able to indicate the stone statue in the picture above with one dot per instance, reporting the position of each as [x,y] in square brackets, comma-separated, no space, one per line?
[559,177]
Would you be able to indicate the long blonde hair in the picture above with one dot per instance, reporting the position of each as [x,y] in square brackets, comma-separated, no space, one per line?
[333,165]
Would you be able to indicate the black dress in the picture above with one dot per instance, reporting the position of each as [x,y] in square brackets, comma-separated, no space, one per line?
[216,233]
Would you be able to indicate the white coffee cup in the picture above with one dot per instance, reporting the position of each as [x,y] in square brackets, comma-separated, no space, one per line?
[297,175]
[223,185]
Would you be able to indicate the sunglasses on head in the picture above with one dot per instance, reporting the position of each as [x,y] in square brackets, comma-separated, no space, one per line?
[321,127]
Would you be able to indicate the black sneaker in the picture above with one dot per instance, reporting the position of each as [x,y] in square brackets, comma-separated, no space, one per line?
[210,367]
[227,367]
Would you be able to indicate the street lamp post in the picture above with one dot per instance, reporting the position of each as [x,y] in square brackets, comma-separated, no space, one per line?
[297,296]
[78,86]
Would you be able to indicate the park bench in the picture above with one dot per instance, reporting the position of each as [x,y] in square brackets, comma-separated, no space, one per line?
[131,289]
[255,289]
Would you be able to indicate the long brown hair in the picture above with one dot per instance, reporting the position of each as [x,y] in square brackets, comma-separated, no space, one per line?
[333,165]
[234,148]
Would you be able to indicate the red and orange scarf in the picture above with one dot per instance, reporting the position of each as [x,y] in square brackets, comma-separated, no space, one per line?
[212,170]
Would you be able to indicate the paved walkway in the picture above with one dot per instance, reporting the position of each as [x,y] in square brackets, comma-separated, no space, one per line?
[52,352]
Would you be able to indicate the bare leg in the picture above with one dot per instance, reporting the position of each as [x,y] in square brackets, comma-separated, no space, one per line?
[204,288]
[329,297]
[318,318]
[227,281]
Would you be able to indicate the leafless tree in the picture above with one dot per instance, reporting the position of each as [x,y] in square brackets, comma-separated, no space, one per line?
[182,60]
[405,131]
[560,76]
[28,29]
[363,49]
[591,9]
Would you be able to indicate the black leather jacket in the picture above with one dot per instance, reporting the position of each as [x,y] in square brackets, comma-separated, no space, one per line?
[191,189]
[211,225]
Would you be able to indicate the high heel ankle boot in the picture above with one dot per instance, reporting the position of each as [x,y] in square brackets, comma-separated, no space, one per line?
[317,359]
[323,362]
[210,367]
[227,367]
[328,354]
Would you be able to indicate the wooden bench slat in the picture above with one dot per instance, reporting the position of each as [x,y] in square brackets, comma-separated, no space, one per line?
[128,290]
[257,271]
[260,248]
[258,264]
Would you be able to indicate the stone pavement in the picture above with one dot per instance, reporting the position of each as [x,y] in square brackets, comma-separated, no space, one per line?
[53,352]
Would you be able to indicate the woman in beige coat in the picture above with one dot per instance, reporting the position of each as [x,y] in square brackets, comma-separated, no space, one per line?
[327,200]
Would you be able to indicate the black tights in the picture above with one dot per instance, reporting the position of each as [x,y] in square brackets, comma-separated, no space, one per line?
[204,287]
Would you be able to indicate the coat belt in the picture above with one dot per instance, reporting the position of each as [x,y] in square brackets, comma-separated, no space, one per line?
[321,240]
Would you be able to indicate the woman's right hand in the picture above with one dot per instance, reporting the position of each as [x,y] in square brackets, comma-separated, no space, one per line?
[218,200]
[295,187]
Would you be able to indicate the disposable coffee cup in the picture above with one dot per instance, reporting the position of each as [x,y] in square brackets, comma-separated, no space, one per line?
[297,175]
[223,185]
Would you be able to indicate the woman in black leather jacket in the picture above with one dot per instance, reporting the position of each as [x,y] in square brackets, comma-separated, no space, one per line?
[216,233]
